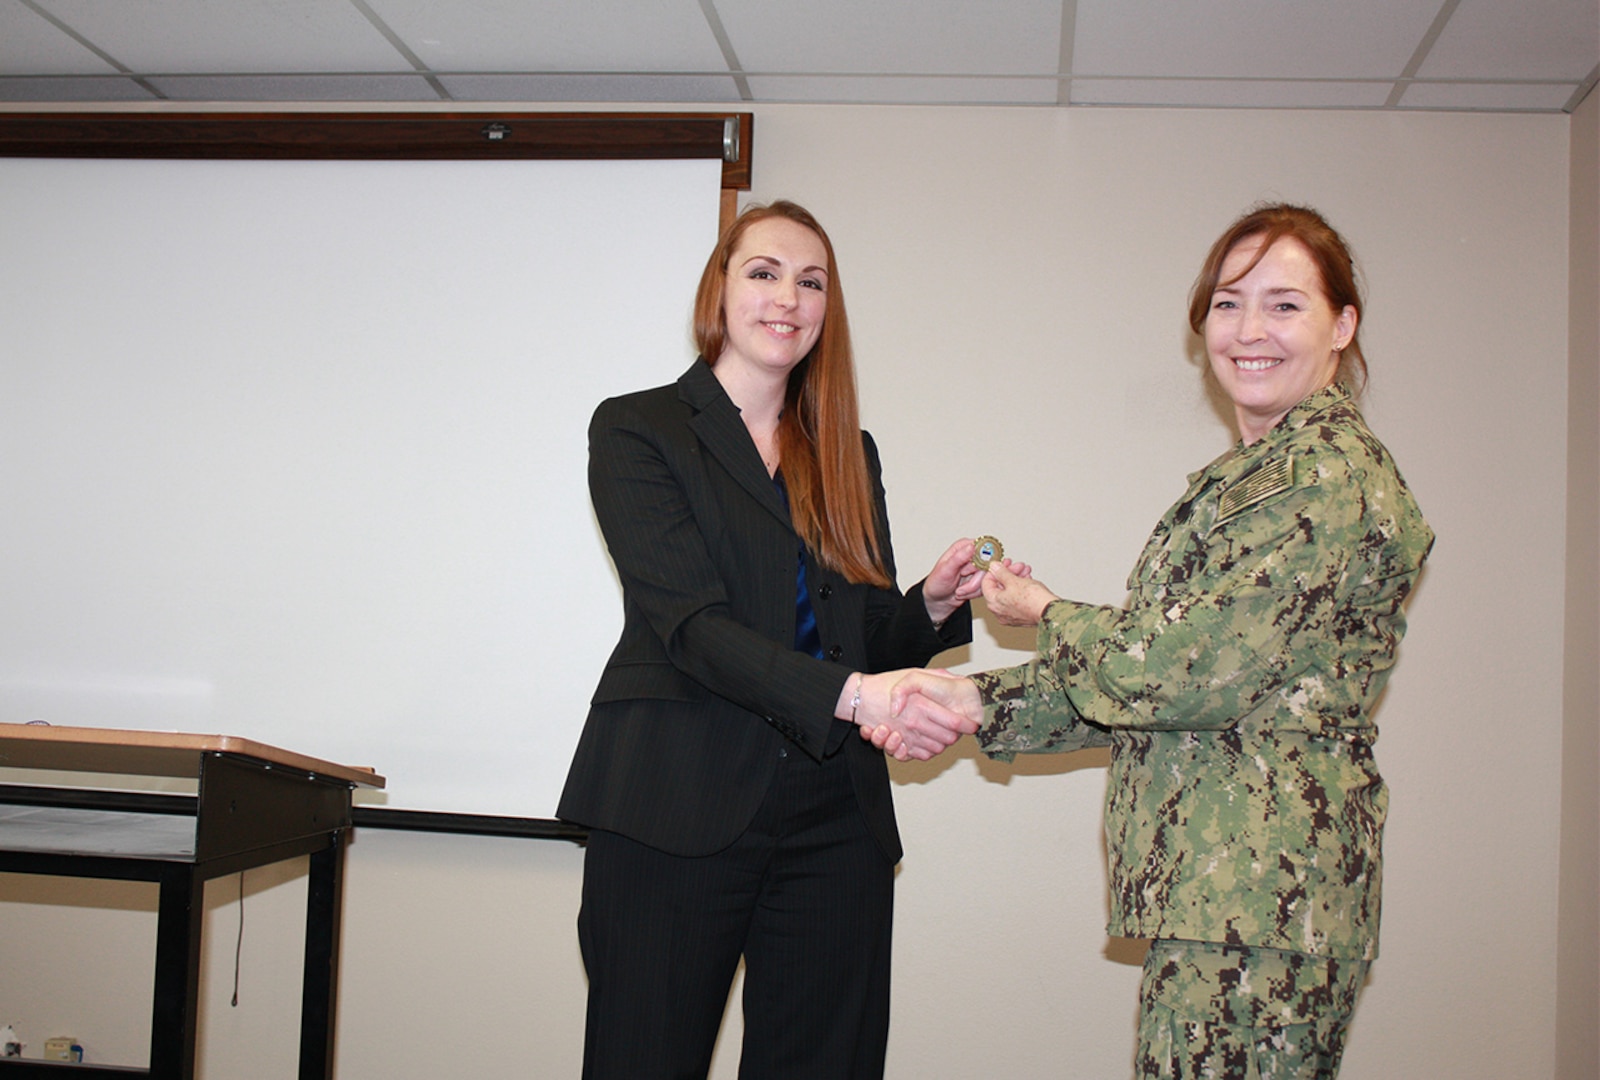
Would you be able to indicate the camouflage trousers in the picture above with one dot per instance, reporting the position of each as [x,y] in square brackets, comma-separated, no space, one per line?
[1224,1012]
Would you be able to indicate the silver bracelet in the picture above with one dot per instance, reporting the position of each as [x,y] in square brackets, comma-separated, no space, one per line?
[855,699]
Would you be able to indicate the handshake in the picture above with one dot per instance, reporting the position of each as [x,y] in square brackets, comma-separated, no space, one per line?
[916,713]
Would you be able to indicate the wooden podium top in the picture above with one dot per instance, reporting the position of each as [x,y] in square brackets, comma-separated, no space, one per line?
[150,753]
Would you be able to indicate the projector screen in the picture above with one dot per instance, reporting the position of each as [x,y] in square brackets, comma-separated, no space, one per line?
[295,450]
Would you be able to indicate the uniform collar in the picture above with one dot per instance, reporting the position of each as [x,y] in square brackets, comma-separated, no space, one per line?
[1311,406]
[1239,457]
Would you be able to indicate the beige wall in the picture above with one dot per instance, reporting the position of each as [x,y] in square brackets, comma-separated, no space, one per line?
[1016,280]
[1578,963]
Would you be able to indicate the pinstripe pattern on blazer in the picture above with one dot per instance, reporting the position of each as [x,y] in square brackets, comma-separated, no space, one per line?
[705,686]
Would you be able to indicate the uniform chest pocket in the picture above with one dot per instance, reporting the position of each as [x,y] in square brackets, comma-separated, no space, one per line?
[1171,561]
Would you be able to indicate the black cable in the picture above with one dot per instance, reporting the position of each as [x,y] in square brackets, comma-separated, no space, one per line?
[238,946]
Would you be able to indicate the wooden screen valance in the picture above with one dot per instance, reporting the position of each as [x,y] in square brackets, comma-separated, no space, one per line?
[390,136]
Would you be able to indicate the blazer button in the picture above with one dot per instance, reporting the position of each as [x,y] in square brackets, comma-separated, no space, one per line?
[825,591]
[836,652]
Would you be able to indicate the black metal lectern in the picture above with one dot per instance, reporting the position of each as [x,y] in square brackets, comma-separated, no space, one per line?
[256,805]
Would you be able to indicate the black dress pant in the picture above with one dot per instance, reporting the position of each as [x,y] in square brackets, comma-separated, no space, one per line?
[806,897]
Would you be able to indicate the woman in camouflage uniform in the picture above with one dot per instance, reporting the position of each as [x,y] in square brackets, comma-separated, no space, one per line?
[1244,810]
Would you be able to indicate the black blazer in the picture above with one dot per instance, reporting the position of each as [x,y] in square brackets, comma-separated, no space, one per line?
[705,686]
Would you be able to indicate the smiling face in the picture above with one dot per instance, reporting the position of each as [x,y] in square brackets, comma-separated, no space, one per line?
[1271,336]
[774,299]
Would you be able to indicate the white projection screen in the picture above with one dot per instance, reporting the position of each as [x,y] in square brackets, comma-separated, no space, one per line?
[295,450]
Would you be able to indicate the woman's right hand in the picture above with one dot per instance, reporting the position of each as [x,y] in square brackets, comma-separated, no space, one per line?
[921,728]
[918,696]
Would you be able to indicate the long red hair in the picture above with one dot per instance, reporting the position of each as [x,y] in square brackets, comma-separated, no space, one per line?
[831,500]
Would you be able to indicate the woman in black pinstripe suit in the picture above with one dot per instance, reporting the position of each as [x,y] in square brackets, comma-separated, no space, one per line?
[733,809]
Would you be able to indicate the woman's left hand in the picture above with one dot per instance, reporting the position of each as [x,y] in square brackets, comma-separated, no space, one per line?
[1014,597]
[953,581]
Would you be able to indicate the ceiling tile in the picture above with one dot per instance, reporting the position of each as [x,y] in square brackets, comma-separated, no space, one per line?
[295,87]
[555,35]
[619,88]
[92,88]
[1524,55]
[31,45]
[216,37]
[903,90]
[1231,93]
[1495,97]
[1528,39]
[927,37]
[1249,38]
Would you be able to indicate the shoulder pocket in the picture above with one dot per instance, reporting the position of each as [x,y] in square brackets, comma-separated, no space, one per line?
[1272,477]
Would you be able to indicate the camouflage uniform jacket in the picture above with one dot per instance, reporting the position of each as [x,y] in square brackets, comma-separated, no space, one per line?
[1236,689]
